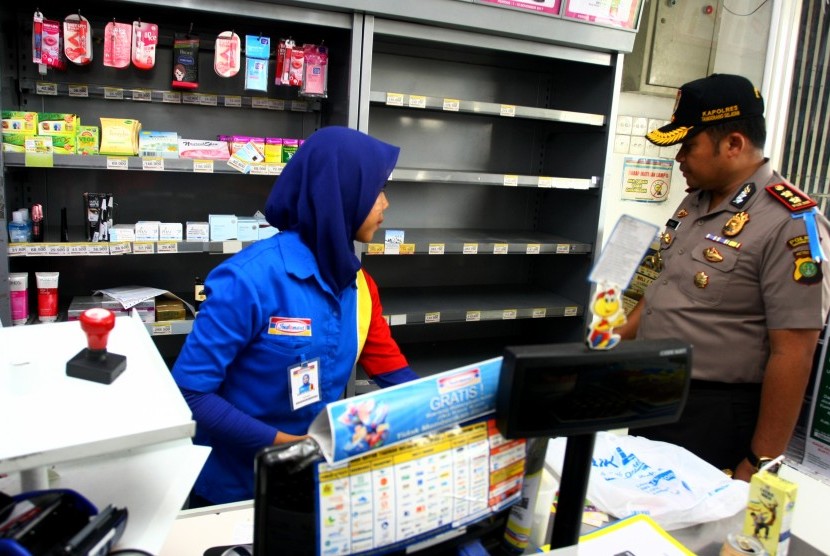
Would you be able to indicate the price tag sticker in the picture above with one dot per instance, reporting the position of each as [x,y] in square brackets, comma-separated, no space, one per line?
[473,316]
[470,249]
[120,248]
[203,166]
[168,247]
[299,106]
[533,249]
[432,317]
[436,249]
[509,314]
[274,168]
[79,91]
[99,248]
[507,110]
[545,181]
[142,95]
[375,249]
[118,163]
[259,169]
[152,164]
[77,249]
[171,97]
[501,248]
[233,101]
[190,98]
[113,93]
[417,101]
[394,99]
[144,247]
[259,102]
[397,320]
[276,104]
[539,313]
[208,100]
[57,249]
[48,89]
[563,248]
[17,250]
[571,311]
[451,105]
[36,250]
[510,180]
[162,329]
[407,249]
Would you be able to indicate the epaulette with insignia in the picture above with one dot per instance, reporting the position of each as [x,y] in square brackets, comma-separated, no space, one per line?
[791,198]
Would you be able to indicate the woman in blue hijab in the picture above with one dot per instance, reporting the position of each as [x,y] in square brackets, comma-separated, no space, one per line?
[287,318]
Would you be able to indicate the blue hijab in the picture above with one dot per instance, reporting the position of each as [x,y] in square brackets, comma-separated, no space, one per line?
[325,193]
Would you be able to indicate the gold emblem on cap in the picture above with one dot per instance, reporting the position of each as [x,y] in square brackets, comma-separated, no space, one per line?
[712,255]
[682,213]
[701,279]
[735,224]
[667,238]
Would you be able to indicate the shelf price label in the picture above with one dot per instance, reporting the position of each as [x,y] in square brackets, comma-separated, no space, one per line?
[49,89]
[533,249]
[233,101]
[397,320]
[432,317]
[539,313]
[77,90]
[171,97]
[417,101]
[509,314]
[507,110]
[451,105]
[161,329]
[375,248]
[274,168]
[152,164]
[571,311]
[407,249]
[299,106]
[470,249]
[436,249]
[77,249]
[545,181]
[563,248]
[394,99]
[36,250]
[113,93]
[500,248]
[168,247]
[142,95]
[276,104]
[208,100]
[190,98]
[203,166]
[98,249]
[259,102]
[56,249]
[118,163]
[473,316]
[17,250]
[510,180]
[120,248]
[144,247]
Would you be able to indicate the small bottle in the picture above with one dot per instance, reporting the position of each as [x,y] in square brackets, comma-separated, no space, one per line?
[37,223]
[24,212]
[18,229]
[198,293]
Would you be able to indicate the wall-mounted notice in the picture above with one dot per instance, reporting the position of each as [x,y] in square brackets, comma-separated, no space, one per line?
[646,179]
[549,7]
[613,13]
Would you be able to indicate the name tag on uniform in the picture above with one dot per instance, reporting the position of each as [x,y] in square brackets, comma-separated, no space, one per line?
[305,383]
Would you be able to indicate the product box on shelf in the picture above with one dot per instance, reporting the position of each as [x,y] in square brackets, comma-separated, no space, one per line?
[14,142]
[222,227]
[197,231]
[80,303]
[119,136]
[15,121]
[122,232]
[169,309]
[164,144]
[170,231]
[203,149]
[247,229]
[86,140]
[64,144]
[58,123]
[147,230]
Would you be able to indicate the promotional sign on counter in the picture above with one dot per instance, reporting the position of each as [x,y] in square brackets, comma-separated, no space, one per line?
[355,426]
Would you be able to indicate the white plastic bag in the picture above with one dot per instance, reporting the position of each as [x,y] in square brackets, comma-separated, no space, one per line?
[632,474]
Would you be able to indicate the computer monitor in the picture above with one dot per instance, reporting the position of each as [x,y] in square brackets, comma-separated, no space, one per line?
[566,389]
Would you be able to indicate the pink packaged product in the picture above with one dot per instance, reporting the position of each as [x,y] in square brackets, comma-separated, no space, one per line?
[145,39]
[51,52]
[226,58]
[315,71]
[77,40]
[118,38]
[238,141]
[203,149]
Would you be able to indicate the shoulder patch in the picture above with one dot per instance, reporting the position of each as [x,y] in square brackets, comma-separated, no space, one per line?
[790,197]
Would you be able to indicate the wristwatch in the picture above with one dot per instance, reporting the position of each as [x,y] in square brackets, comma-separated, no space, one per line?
[756,461]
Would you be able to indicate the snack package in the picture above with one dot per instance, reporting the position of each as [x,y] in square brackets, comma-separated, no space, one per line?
[118,39]
[315,71]
[185,62]
[145,39]
[77,39]
[226,58]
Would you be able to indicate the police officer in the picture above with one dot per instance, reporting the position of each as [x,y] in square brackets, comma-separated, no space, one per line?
[744,280]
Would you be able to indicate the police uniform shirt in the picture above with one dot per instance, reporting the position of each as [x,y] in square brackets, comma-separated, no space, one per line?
[731,274]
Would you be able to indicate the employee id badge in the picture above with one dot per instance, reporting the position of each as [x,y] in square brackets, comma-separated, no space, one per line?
[305,383]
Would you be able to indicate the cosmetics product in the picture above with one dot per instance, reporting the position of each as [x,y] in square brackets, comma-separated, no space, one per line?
[198,292]
[145,39]
[19,294]
[77,39]
[18,229]
[47,296]
[37,222]
[118,38]
[185,62]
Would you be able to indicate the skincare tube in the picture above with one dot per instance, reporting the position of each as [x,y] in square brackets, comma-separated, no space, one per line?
[47,296]
[19,293]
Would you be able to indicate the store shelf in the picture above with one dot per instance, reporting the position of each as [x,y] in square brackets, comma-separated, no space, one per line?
[118,248]
[407,306]
[413,101]
[482,178]
[146,164]
[438,241]
[148,95]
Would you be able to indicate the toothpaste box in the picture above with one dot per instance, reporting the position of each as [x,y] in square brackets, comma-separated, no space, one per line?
[197,231]
[19,122]
[769,511]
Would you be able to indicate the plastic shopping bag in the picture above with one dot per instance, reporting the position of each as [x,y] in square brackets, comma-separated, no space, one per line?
[635,475]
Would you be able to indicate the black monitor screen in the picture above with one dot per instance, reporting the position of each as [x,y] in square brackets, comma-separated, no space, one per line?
[567,389]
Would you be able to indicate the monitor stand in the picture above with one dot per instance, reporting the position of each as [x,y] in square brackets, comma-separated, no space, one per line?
[576,470]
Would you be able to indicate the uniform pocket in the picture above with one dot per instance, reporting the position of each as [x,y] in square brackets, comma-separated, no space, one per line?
[711,272]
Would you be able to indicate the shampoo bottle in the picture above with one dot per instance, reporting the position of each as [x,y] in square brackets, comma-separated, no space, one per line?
[18,229]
